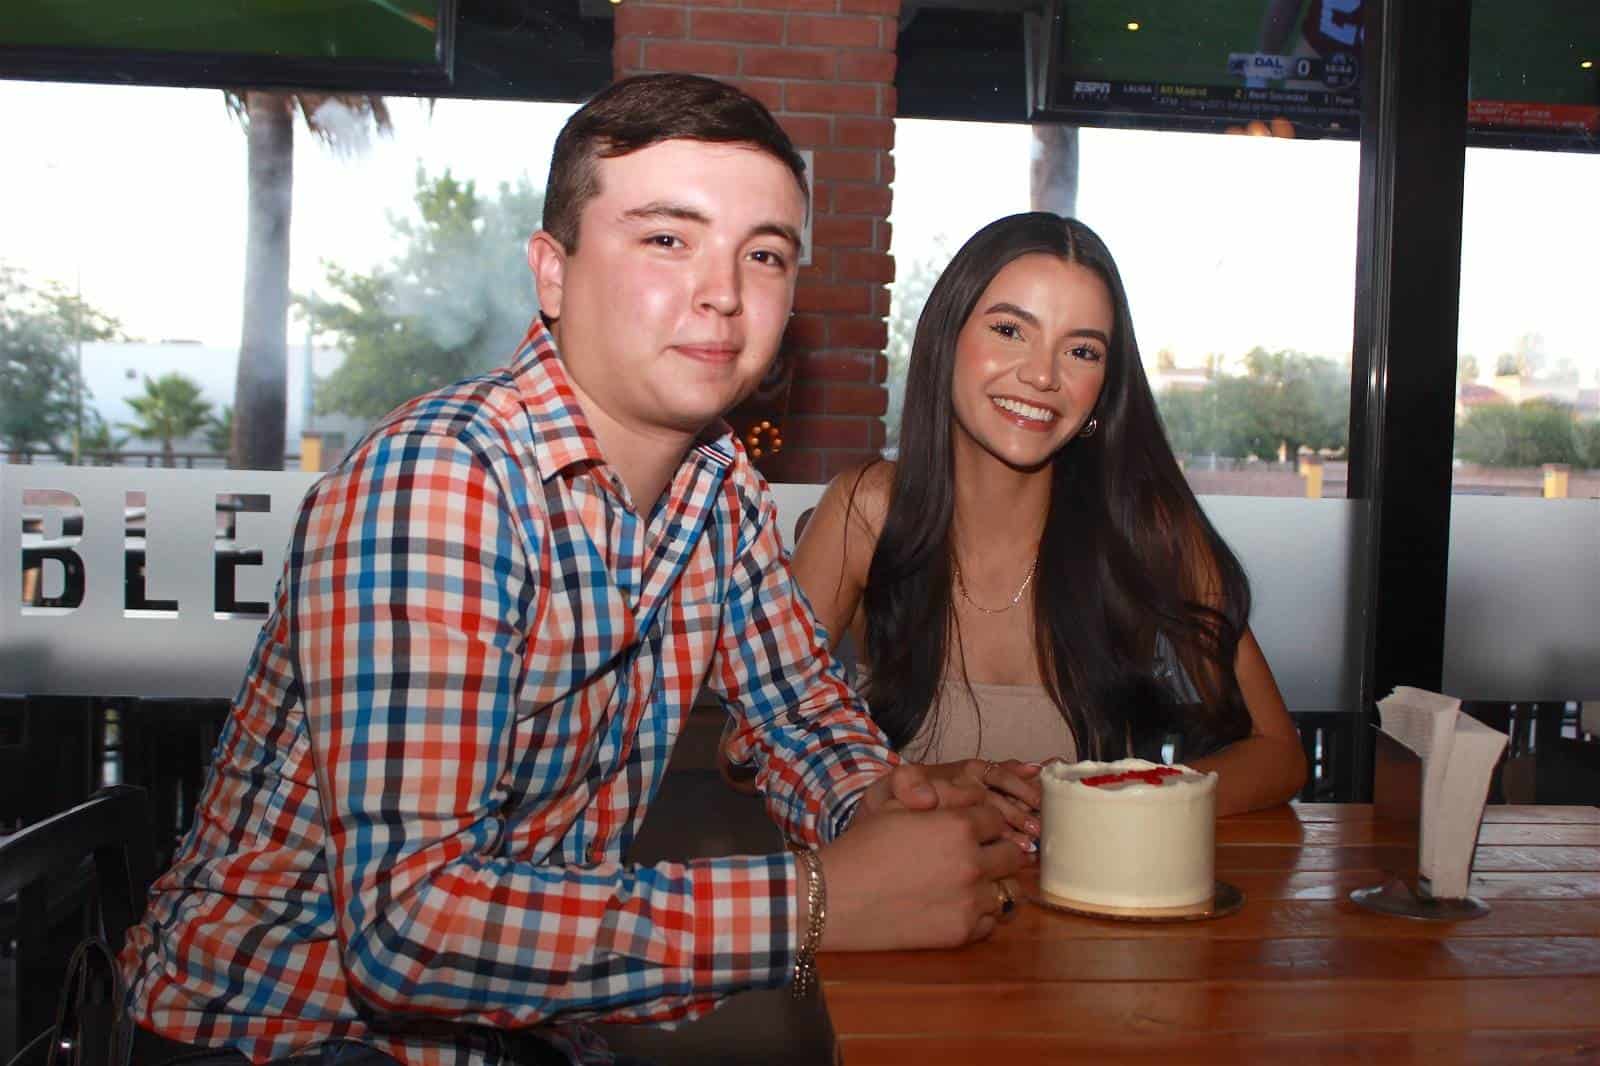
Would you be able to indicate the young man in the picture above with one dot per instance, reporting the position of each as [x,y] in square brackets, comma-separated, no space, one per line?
[493,618]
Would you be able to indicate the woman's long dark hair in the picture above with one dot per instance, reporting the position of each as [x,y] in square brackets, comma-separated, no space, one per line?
[1127,556]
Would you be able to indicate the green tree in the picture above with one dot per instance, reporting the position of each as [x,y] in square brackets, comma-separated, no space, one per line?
[1285,399]
[454,302]
[1536,432]
[41,391]
[170,408]
[97,438]
[219,431]
[261,388]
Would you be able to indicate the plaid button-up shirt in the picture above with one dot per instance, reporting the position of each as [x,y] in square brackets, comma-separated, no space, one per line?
[477,663]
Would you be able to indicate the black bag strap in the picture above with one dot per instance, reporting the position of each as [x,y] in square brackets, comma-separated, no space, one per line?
[93,1026]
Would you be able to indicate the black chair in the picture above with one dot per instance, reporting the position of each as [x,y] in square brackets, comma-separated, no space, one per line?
[81,873]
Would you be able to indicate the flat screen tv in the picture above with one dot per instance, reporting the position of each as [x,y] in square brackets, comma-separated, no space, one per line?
[394,46]
[1294,66]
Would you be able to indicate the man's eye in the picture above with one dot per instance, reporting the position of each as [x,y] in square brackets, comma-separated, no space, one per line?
[663,240]
[770,258]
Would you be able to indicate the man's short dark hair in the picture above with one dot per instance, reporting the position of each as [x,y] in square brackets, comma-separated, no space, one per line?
[638,112]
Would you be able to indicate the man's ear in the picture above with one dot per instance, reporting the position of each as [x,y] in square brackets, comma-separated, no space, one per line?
[547,258]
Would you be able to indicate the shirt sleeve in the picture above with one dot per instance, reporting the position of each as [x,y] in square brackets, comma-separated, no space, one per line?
[814,744]
[412,594]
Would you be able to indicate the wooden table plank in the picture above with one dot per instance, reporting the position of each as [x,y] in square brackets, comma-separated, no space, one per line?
[1557,1047]
[1398,957]
[1200,1008]
[1242,858]
[1361,812]
[1348,834]
[1337,884]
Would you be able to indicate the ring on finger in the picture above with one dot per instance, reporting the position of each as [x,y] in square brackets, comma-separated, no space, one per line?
[988,768]
[1008,898]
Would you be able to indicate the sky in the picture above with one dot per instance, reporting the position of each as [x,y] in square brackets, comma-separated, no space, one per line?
[1225,243]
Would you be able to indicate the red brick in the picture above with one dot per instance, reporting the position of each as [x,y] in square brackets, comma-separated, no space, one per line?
[788,63]
[835,462]
[880,301]
[807,331]
[886,168]
[857,399]
[825,6]
[854,299]
[862,199]
[769,93]
[691,57]
[880,434]
[856,165]
[821,266]
[806,131]
[831,365]
[870,333]
[810,431]
[627,56]
[832,99]
[839,232]
[857,132]
[793,466]
[635,20]
[870,7]
[866,66]
[883,235]
[880,369]
[833,32]
[698,3]
[890,103]
[745,26]
[808,399]
[865,266]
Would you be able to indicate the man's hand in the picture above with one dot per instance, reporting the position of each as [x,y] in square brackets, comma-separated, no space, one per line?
[917,878]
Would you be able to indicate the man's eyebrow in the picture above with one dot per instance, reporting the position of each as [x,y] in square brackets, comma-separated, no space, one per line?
[1004,308]
[684,213]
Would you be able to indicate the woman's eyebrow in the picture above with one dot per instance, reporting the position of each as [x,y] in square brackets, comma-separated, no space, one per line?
[1004,308]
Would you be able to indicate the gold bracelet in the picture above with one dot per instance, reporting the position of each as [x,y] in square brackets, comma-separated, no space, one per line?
[805,959]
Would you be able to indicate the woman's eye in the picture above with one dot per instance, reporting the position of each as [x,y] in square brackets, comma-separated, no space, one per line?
[1085,352]
[1008,330]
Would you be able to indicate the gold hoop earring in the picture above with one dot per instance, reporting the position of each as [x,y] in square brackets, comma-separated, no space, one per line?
[1089,427]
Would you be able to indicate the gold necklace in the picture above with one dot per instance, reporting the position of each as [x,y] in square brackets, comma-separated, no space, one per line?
[1026,581]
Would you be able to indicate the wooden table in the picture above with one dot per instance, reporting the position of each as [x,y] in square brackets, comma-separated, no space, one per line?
[1300,975]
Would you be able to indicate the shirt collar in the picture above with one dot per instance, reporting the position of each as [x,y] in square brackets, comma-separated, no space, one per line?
[561,434]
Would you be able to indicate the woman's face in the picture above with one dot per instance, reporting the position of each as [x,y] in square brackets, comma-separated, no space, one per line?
[1031,359]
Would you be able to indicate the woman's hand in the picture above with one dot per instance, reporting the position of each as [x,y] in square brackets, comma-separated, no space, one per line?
[1011,787]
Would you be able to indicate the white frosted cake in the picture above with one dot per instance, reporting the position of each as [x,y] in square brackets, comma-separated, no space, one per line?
[1128,835]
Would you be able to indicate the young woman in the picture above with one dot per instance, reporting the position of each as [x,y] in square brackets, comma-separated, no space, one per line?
[1033,577]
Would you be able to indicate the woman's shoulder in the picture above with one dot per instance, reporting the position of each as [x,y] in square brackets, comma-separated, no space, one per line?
[860,494]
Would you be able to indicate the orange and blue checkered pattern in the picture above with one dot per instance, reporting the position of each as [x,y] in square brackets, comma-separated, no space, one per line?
[479,658]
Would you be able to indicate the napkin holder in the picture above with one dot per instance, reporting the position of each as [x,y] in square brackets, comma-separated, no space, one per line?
[1397,808]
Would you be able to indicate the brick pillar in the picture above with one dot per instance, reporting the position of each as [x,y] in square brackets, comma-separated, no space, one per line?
[826,69]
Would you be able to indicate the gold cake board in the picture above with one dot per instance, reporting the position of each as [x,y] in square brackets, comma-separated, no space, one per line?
[1225,900]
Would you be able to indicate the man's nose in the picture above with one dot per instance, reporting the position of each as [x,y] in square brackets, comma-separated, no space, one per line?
[719,288]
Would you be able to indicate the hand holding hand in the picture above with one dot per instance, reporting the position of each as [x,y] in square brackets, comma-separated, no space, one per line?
[926,878]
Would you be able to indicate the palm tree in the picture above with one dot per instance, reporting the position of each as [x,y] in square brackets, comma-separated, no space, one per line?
[219,431]
[261,388]
[170,408]
[98,440]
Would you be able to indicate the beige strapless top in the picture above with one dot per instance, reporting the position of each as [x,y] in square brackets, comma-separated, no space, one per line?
[1017,722]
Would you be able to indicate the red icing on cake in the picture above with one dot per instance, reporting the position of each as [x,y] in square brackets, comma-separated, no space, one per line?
[1156,776]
